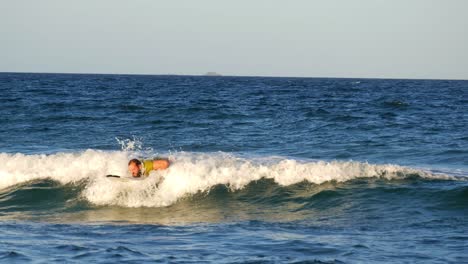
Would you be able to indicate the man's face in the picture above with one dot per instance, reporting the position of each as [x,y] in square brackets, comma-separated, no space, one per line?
[134,169]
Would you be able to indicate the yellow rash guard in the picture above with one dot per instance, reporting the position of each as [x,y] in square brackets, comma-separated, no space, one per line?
[147,167]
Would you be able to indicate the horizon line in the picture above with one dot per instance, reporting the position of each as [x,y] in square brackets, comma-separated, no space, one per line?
[222,75]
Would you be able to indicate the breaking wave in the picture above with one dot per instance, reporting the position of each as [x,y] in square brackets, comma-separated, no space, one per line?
[189,174]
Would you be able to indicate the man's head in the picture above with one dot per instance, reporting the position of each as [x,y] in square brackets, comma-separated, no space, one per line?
[134,167]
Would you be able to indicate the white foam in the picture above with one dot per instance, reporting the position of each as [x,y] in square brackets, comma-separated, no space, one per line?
[188,174]
[62,167]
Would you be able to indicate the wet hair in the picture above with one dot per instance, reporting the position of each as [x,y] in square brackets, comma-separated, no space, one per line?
[134,161]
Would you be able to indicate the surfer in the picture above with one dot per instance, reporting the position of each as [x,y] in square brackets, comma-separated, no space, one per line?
[138,168]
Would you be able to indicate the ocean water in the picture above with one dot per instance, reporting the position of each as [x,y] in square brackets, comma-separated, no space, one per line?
[264,170]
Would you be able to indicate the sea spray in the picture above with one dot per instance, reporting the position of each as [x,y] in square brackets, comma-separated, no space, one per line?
[135,144]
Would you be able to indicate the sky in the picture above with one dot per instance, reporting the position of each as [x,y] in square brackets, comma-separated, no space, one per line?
[423,39]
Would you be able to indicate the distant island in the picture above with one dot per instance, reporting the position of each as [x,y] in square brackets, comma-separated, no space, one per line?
[212,74]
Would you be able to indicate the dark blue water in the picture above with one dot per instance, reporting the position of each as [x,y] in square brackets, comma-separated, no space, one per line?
[263,170]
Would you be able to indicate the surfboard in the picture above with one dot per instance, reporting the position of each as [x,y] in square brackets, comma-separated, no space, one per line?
[123,178]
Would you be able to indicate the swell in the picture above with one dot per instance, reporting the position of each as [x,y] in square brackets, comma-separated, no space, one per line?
[361,200]
[41,196]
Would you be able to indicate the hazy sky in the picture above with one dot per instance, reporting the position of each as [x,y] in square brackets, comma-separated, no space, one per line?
[311,38]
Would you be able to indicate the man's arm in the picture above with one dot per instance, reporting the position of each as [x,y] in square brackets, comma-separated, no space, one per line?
[161,164]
